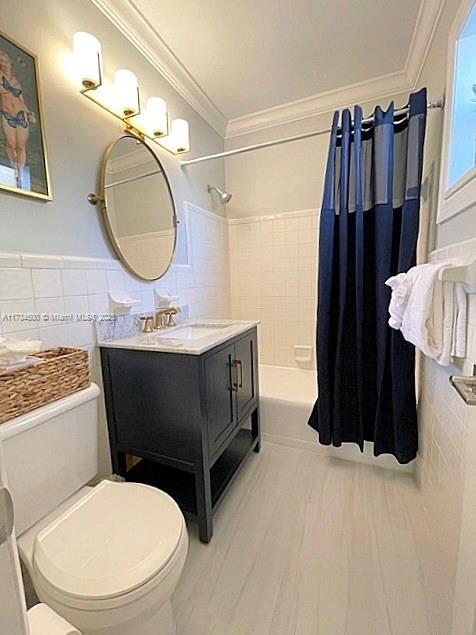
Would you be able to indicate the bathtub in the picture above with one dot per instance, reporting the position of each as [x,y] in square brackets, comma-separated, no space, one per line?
[287,396]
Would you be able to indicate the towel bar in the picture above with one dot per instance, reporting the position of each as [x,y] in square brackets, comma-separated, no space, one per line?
[465,273]
[466,387]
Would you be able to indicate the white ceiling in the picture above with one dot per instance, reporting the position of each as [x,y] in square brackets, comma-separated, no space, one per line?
[250,55]
[247,65]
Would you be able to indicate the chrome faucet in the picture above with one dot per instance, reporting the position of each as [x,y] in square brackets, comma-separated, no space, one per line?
[165,317]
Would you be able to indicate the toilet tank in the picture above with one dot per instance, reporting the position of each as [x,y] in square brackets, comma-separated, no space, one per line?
[50,453]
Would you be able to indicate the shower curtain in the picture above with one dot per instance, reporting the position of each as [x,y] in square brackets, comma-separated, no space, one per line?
[368,232]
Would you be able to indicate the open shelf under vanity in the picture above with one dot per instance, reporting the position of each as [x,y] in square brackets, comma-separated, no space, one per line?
[181,485]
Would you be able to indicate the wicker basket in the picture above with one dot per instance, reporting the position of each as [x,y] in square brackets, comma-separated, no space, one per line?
[61,372]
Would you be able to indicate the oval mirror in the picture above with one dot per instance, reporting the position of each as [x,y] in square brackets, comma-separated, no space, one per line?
[138,208]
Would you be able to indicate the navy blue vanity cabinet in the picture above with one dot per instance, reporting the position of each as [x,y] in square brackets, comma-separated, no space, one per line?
[191,419]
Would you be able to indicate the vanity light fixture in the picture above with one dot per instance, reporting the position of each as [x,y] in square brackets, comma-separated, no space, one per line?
[87,55]
[122,98]
[178,140]
[127,90]
[156,117]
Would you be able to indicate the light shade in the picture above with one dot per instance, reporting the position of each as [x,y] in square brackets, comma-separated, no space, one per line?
[87,55]
[127,90]
[156,117]
[180,135]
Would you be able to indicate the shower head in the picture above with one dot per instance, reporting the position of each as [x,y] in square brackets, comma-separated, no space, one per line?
[225,197]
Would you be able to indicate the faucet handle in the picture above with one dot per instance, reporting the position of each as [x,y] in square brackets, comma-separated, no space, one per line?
[147,323]
[173,310]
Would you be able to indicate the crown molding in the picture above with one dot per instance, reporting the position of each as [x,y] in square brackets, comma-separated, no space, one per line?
[133,25]
[377,88]
[133,159]
[427,22]
[361,92]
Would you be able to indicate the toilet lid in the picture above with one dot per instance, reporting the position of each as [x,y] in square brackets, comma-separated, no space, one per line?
[110,542]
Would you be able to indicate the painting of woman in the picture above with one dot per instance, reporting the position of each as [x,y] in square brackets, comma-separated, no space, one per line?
[22,154]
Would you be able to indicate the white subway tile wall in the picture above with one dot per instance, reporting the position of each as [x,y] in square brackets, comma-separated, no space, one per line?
[446,452]
[44,284]
[15,284]
[273,266]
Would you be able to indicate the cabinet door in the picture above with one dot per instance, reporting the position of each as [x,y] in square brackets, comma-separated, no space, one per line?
[220,397]
[245,363]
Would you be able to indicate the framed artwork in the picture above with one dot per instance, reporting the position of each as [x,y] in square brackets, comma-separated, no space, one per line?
[458,166]
[23,162]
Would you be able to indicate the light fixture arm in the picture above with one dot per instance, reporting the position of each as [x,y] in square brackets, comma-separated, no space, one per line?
[89,90]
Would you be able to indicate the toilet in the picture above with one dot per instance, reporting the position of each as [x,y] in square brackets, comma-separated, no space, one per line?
[105,558]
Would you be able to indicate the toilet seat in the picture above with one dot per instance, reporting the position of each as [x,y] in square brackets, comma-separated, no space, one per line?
[113,541]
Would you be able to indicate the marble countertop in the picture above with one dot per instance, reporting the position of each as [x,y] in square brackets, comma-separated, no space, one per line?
[192,337]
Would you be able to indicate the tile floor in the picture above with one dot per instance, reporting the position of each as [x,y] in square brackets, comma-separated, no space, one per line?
[306,545]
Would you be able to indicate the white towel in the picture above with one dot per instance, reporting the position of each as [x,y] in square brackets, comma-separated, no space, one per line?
[430,314]
[449,320]
[400,285]
[458,348]
[14,351]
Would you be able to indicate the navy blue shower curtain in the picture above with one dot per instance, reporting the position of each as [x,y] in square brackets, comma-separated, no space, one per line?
[368,232]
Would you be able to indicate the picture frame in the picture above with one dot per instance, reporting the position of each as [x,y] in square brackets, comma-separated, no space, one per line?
[23,155]
[458,160]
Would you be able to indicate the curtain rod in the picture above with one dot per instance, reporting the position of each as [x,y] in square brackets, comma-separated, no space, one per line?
[130,179]
[438,104]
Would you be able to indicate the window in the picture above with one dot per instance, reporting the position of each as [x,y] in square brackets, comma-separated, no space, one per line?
[463,125]
[458,166]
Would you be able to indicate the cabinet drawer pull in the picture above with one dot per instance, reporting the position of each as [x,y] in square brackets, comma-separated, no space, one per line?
[237,364]
[233,383]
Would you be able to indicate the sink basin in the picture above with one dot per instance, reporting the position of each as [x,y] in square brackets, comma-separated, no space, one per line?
[193,337]
[192,331]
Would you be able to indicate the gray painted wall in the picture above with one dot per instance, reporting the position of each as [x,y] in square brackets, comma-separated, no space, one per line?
[77,131]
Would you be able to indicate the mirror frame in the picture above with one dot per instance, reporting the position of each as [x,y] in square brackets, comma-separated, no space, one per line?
[100,199]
